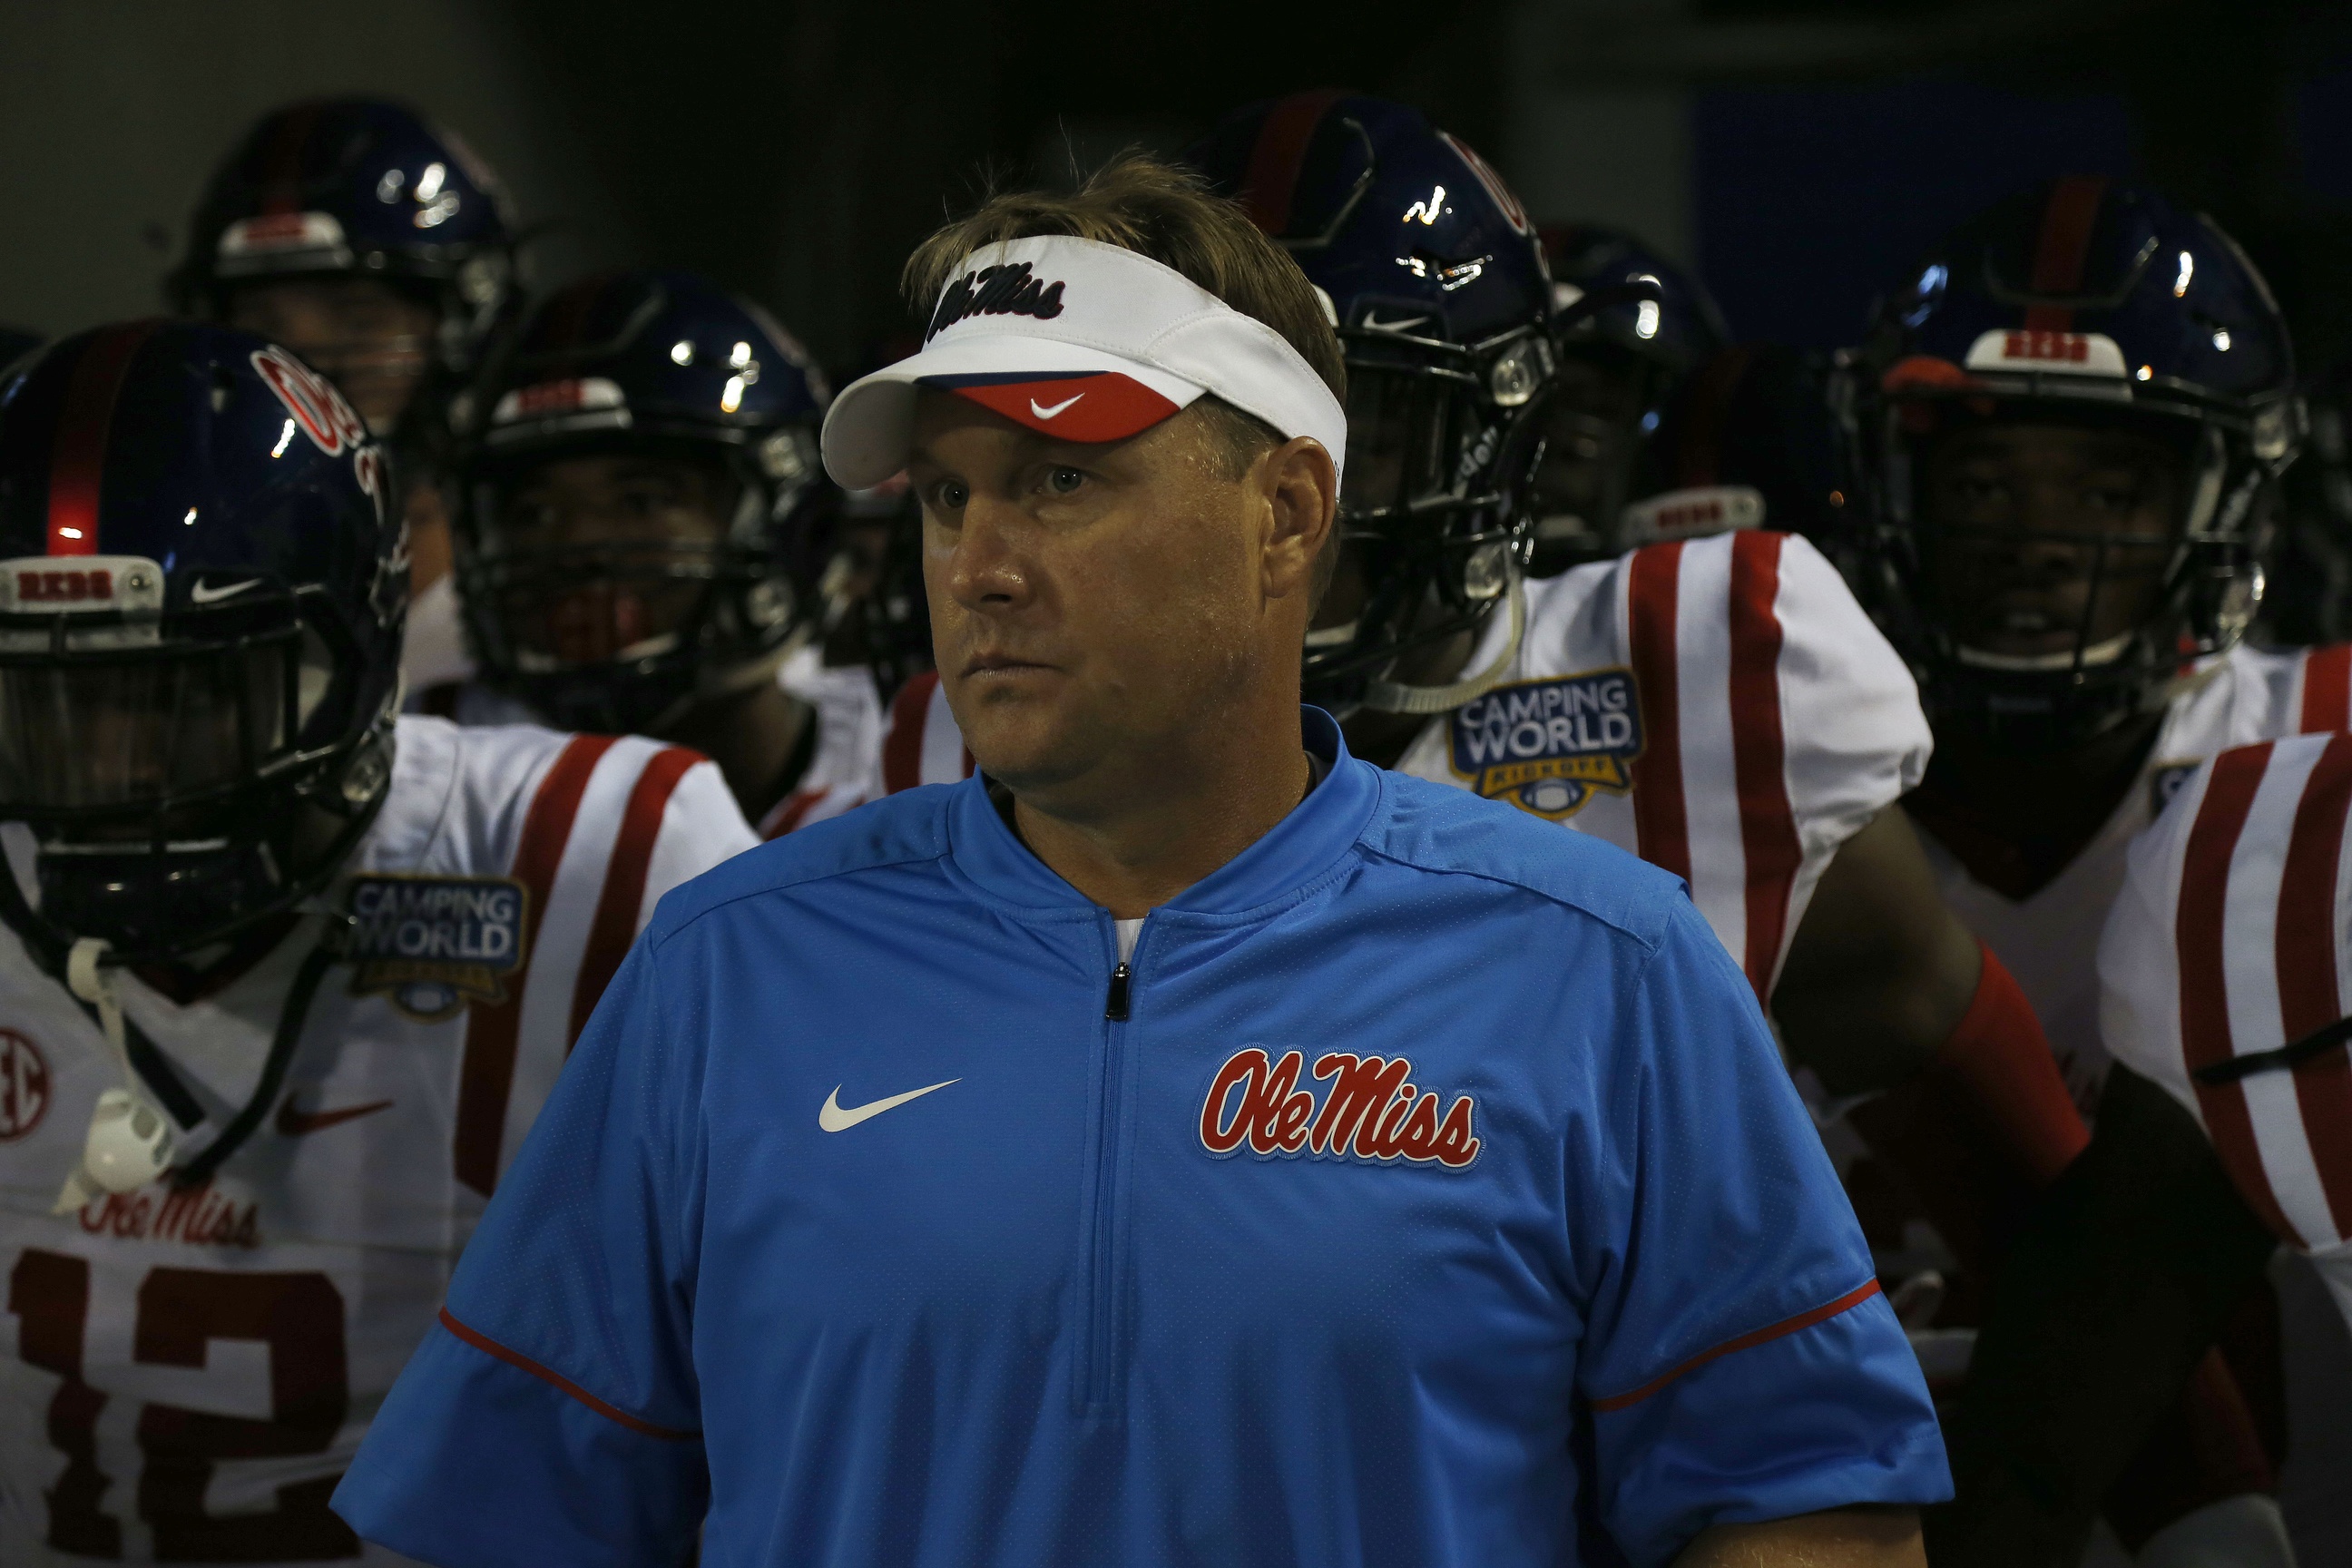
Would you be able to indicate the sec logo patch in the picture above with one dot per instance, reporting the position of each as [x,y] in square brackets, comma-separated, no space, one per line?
[24,1085]
[1546,745]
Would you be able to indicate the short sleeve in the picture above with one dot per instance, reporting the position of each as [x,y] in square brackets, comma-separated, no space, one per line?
[552,1414]
[1740,1363]
[1857,738]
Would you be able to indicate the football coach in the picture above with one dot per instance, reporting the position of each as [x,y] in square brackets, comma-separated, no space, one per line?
[1181,1143]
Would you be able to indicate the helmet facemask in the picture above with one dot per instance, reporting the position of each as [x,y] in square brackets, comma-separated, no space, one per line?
[1441,441]
[2052,565]
[185,777]
[611,586]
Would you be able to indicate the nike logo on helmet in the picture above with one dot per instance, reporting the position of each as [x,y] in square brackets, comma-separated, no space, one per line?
[1372,323]
[202,594]
[1043,413]
[833,1117]
[293,1124]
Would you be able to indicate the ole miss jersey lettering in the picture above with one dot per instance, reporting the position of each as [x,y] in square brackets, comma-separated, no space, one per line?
[1370,1108]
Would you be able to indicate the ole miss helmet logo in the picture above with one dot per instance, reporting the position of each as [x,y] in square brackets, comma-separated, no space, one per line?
[1371,1110]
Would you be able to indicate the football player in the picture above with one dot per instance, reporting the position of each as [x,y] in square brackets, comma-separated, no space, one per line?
[2224,1128]
[284,978]
[640,522]
[1633,329]
[379,248]
[2068,428]
[1720,706]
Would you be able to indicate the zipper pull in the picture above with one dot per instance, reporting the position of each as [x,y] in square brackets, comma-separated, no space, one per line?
[1115,1008]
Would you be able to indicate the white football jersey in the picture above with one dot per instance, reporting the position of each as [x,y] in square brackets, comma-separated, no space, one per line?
[1721,707]
[2049,939]
[2224,972]
[185,1375]
[845,769]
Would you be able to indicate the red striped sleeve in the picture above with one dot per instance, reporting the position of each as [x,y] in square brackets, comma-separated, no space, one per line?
[77,454]
[615,925]
[2326,689]
[902,748]
[1781,1329]
[1660,821]
[2309,998]
[1767,822]
[556,1380]
[487,1074]
[2199,928]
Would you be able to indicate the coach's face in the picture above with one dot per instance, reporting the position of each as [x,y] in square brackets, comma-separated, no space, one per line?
[1097,609]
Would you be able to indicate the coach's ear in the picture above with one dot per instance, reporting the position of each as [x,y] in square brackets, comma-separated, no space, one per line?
[1301,487]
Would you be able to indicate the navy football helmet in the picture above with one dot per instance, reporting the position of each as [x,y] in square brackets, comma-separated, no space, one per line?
[16,343]
[1430,270]
[201,600]
[358,188]
[2095,305]
[1633,329]
[623,635]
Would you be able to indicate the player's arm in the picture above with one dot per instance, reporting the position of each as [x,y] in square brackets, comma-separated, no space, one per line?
[1880,971]
[1885,989]
[1739,1364]
[1840,1537]
[2112,1292]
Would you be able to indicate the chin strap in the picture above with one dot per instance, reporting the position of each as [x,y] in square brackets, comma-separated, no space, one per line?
[1385,696]
[129,1141]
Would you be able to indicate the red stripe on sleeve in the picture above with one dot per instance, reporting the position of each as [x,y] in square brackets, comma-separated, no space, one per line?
[2060,250]
[2199,926]
[1661,821]
[77,455]
[1781,1329]
[615,925]
[2326,689]
[1767,822]
[556,1380]
[1271,180]
[487,1074]
[902,748]
[2308,997]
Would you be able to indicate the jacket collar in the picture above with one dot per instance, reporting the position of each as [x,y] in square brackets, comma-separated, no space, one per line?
[1298,850]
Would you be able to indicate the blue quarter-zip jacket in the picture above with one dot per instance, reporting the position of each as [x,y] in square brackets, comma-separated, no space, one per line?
[1428,1192]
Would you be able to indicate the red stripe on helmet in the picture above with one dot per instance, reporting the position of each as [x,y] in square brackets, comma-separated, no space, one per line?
[281,163]
[1271,180]
[78,455]
[2064,244]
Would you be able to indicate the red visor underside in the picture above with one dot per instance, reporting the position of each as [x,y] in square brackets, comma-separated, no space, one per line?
[1105,406]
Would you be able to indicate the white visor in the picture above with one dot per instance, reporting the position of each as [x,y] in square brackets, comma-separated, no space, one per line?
[1081,340]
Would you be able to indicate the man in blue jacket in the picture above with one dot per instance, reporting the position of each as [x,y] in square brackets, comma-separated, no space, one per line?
[1182,1142]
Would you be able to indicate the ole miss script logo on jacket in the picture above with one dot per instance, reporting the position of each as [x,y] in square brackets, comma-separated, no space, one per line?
[1371,1110]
